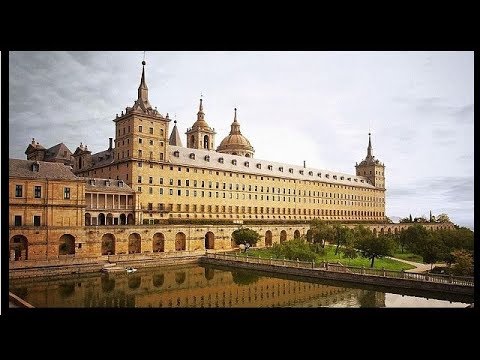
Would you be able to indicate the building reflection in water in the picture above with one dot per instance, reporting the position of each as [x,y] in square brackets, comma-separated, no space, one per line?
[188,286]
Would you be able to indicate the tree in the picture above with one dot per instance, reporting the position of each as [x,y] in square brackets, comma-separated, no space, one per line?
[321,231]
[410,218]
[431,249]
[388,220]
[405,220]
[340,235]
[372,247]
[443,218]
[463,263]
[245,235]
[412,237]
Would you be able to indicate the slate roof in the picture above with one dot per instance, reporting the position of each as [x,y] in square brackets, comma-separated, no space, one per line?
[100,185]
[46,170]
[267,168]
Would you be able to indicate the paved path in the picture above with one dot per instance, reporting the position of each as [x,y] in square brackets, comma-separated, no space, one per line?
[419,267]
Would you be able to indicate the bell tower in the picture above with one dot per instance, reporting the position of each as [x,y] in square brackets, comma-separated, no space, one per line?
[371,168]
[200,135]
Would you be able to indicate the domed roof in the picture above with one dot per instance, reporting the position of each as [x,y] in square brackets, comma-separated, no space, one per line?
[235,141]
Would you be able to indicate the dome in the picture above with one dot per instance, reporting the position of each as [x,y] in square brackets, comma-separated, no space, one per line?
[235,143]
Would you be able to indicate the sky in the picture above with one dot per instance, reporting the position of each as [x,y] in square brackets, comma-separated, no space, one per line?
[292,106]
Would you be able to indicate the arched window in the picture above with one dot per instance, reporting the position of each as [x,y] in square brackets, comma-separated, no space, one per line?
[192,140]
[206,142]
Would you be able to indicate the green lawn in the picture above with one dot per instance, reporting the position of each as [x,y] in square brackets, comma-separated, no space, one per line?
[408,256]
[330,256]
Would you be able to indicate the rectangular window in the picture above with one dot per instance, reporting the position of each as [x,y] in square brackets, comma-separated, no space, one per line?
[66,193]
[36,220]
[161,156]
[195,183]
[161,181]
[139,140]
[150,180]
[151,130]
[140,128]
[179,192]
[139,153]
[18,190]
[171,191]
[161,191]
[139,189]
[18,220]
[187,192]
[38,192]
[139,164]
[171,181]
[194,192]
[139,180]
[150,190]
[187,182]
[151,142]
[179,182]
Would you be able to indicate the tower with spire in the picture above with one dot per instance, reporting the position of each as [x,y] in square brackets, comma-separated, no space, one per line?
[371,168]
[200,135]
[235,143]
[175,136]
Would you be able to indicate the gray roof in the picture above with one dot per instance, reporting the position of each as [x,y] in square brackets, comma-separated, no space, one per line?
[267,168]
[100,184]
[102,158]
[46,170]
[57,153]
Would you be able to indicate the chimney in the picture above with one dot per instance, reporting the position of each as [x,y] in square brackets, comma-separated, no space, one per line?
[304,164]
[110,143]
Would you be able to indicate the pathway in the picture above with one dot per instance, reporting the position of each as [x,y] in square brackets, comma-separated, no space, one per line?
[419,267]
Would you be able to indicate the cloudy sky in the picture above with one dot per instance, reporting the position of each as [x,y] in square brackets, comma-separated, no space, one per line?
[292,106]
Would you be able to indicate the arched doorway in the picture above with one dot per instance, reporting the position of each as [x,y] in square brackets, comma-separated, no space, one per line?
[268,238]
[130,219]
[389,231]
[209,240]
[382,231]
[206,142]
[396,231]
[101,219]
[108,244]
[158,242]
[88,219]
[66,245]
[134,244]
[283,236]
[123,219]
[374,232]
[19,248]
[109,219]
[180,241]
[296,234]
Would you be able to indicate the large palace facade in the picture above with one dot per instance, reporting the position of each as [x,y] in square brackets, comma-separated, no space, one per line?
[148,193]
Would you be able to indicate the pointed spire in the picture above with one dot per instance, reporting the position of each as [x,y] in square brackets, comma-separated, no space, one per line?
[200,114]
[175,136]
[235,127]
[369,149]
[142,88]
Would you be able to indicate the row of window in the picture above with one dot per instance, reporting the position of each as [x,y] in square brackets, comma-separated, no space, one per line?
[37,192]
[262,210]
[37,220]
[140,129]
[256,188]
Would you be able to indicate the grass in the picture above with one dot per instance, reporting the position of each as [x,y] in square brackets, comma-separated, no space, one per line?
[408,256]
[330,256]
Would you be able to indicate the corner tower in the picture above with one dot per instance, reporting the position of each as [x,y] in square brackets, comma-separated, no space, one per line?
[371,168]
[200,135]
